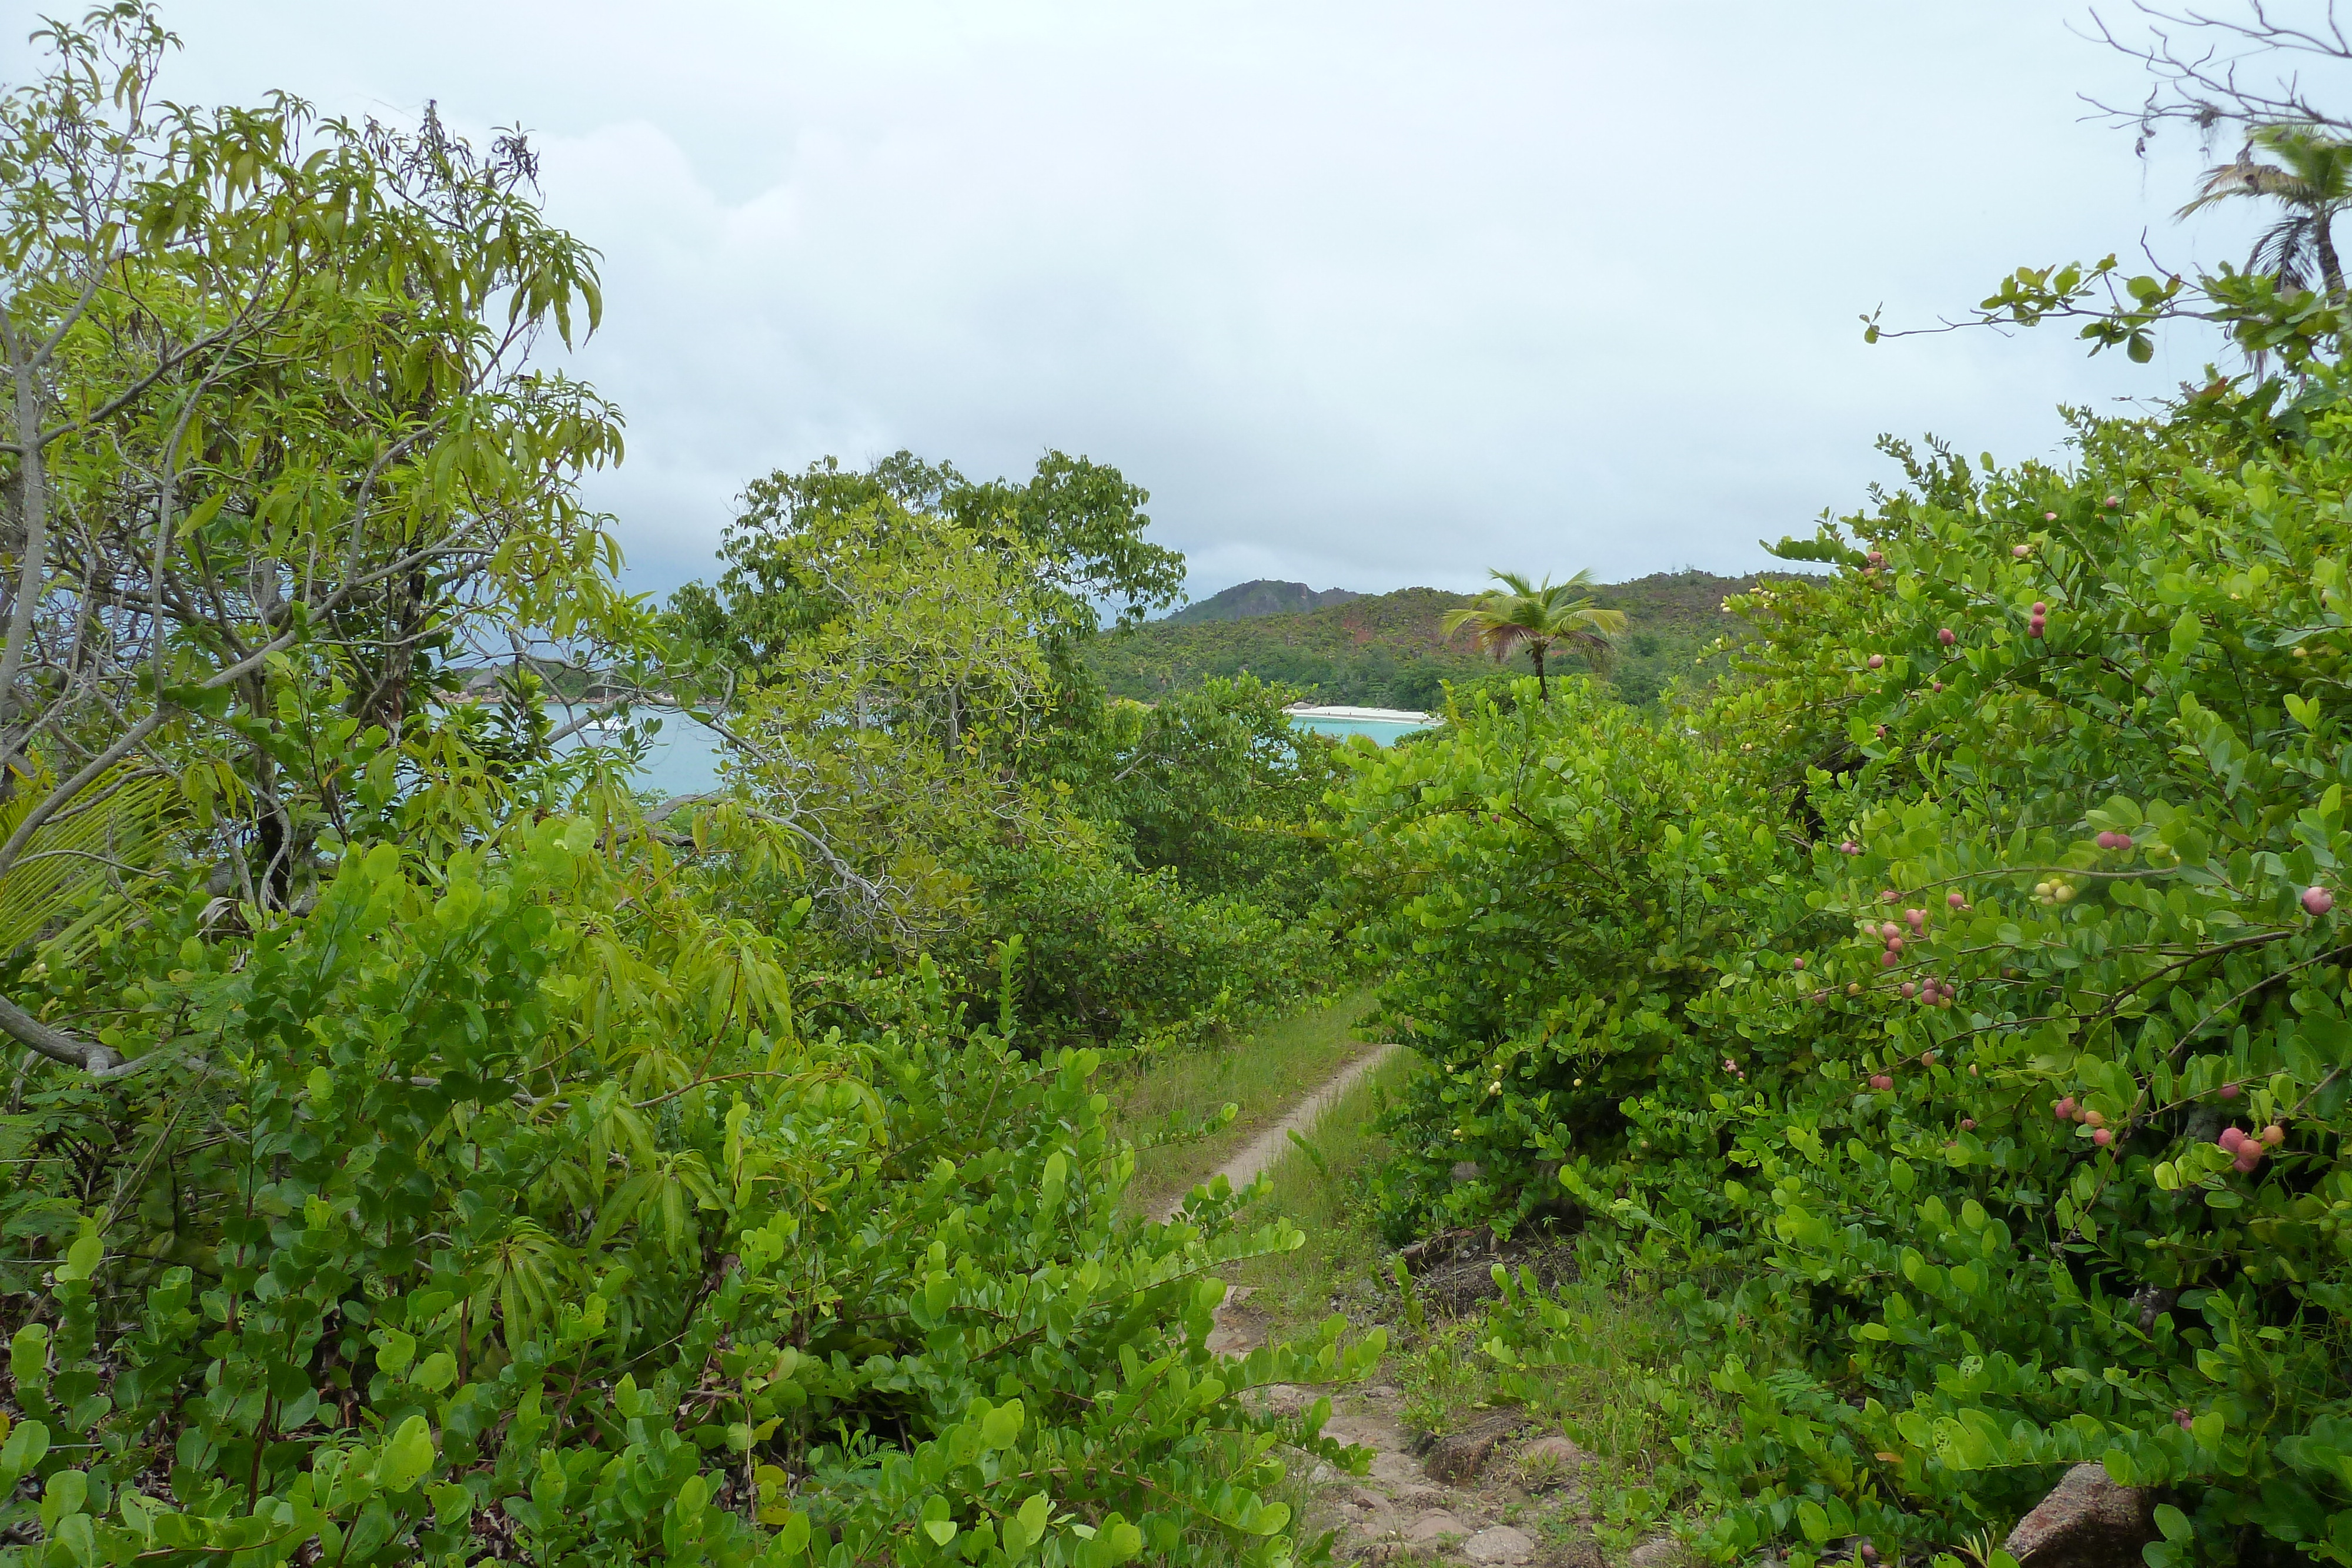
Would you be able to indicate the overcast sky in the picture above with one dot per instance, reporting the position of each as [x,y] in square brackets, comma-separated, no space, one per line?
[1367,295]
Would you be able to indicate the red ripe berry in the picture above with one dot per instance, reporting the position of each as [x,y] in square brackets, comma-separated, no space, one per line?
[2114,500]
[1955,900]
[2180,1418]
[2064,1109]
[2273,1136]
[1895,944]
[2035,630]
[1878,558]
[1890,931]
[1850,847]
[2231,1138]
[2049,517]
[1909,990]
[2231,1092]
[1881,1081]
[2040,610]
[2317,901]
[1888,959]
[1797,963]
[2102,1138]
[1967,1123]
[2248,1158]
[1918,917]
[1890,896]
[1945,635]
[1876,660]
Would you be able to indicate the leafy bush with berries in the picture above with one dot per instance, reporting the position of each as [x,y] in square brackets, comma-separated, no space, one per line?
[2006,1077]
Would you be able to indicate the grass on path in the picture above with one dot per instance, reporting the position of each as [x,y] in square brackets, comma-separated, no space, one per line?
[1263,1074]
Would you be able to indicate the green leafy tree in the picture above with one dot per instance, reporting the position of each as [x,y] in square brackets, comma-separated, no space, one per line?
[272,452]
[1539,618]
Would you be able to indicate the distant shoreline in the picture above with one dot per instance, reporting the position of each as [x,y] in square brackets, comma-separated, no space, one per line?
[1375,715]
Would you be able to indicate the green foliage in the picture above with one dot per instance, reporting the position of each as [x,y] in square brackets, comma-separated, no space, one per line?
[513,1204]
[2094,817]
[1552,886]
[1539,617]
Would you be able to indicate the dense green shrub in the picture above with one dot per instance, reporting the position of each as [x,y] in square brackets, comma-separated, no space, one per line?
[1550,884]
[1995,1216]
[521,1218]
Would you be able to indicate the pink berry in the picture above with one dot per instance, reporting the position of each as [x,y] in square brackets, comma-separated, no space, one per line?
[2317,901]
[1796,963]
[2064,1109]
[1918,917]
[2273,1136]
[2231,1138]
[2035,630]
[1967,1123]
[2102,1138]
[1895,944]
[2114,500]
[1890,931]
[1909,990]
[2248,1158]
[1955,900]
[2020,551]
[1850,848]
[1869,1552]
[1890,896]
[2229,1092]
[2180,1418]
[2049,517]
[1882,732]
[1937,685]
[1880,1081]
[1876,660]
[1888,959]
[1877,558]
[2040,607]
[1947,636]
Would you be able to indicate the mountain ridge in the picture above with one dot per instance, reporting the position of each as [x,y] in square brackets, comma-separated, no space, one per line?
[1258,596]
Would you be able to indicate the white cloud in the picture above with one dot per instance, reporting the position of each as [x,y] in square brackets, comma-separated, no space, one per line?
[1366,294]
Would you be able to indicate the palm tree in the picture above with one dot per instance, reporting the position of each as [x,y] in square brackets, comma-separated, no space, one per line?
[1556,614]
[2312,180]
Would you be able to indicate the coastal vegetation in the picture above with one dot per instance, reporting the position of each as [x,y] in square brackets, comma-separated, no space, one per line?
[1901,1002]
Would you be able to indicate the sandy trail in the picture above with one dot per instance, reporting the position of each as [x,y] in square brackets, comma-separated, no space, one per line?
[1256,1157]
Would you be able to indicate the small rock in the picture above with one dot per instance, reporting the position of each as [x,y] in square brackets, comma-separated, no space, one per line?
[1658,1552]
[1423,1496]
[1499,1544]
[1365,1497]
[1436,1525]
[1285,1398]
[1459,1456]
[2086,1522]
[1554,1452]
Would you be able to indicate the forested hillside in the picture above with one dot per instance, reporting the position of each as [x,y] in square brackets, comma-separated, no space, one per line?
[1386,650]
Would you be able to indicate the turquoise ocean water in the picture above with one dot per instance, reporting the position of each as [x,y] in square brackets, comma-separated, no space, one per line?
[684,757]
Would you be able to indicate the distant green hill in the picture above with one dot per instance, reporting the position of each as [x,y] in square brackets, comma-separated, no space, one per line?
[1248,600]
[1384,650]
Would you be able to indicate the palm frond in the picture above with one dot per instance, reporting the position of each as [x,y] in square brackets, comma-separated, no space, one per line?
[118,831]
